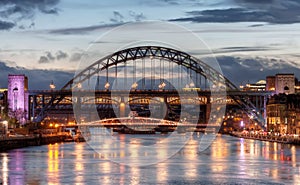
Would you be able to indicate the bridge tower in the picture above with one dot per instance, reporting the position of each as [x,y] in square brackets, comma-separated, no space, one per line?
[17,96]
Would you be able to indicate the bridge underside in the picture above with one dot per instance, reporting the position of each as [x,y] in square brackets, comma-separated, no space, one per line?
[142,103]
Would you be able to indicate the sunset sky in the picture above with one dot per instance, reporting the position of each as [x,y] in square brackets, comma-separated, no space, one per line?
[46,39]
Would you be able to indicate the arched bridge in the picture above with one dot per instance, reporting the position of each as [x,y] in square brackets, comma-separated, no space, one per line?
[152,74]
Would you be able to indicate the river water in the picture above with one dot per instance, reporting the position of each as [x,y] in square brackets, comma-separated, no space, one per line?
[228,160]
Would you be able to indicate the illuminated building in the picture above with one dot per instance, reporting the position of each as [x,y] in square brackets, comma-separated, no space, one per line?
[259,86]
[297,86]
[17,97]
[285,83]
[281,83]
[283,112]
[270,83]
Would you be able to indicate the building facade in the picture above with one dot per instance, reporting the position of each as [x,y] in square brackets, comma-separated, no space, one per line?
[17,97]
[285,83]
[281,83]
[283,114]
[270,83]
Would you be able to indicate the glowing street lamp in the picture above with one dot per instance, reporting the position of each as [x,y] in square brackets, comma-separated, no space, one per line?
[242,124]
[162,85]
[52,86]
[107,85]
[134,85]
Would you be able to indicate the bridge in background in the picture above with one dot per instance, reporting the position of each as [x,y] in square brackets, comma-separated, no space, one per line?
[145,79]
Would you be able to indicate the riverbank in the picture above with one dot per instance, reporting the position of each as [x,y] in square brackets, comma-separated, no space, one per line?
[8,143]
[270,138]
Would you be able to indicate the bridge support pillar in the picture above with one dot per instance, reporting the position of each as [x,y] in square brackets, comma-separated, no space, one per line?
[122,107]
[163,107]
[207,109]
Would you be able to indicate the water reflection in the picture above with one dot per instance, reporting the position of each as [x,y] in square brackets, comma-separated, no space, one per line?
[4,169]
[228,160]
[53,164]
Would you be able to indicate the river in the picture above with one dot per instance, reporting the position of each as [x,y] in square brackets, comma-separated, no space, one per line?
[228,160]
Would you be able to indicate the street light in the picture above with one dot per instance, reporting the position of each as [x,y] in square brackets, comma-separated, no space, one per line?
[106,86]
[162,85]
[134,85]
[52,86]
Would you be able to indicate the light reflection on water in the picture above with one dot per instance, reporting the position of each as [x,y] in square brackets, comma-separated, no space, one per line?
[228,160]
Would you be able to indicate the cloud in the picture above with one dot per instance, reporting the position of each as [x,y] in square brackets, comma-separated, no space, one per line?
[241,49]
[270,11]
[137,16]
[37,79]
[49,57]
[17,10]
[242,69]
[6,25]
[117,17]
[61,55]
[83,30]
[75,57]
[43,60]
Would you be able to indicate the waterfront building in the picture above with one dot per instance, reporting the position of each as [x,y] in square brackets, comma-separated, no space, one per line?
[283,114]
[297,86]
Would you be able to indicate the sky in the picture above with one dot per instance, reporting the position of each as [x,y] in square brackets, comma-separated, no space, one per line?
[46,39]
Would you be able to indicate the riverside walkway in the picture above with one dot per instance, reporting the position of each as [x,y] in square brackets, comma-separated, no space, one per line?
[12,142]
[286,139]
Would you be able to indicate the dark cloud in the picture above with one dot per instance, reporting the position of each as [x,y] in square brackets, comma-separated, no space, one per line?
[241,49]
[241,70]
[137,16]
[270,11]
[83,30]
[61,55]
[255,1]
[117,17]
[49,57]
[37,79]
[17,10]
[170,2]
[6,25]
[43,60]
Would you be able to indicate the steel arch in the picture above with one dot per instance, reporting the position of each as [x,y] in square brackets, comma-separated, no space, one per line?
[178,57]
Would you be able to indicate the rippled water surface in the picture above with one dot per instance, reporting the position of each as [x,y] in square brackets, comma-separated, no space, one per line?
[228,160]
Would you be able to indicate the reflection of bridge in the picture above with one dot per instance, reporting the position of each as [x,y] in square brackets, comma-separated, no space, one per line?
[145,79]
[144,124]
